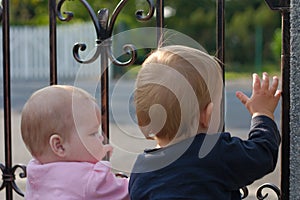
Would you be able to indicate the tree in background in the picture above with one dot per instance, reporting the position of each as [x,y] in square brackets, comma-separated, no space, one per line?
[276,45]
[248,23]
[244,19]
[29,12]
[196,19]
[245,28]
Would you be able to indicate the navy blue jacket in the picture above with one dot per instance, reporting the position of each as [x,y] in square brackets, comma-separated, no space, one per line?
[177,172]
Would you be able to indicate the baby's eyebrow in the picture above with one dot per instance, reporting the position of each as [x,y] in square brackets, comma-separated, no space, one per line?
[95,132]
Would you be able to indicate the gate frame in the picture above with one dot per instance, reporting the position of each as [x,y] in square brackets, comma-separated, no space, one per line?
[104,25]
[283,6]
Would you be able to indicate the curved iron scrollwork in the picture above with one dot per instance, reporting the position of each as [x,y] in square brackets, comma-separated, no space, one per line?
[104,28]
[130,50]
[8,177]
[259,194]
[244,192]
[273,187]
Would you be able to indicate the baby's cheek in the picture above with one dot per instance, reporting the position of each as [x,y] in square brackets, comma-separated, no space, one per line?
[101,151]
[96,149]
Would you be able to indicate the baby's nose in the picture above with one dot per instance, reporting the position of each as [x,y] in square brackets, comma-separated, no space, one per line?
[101,138]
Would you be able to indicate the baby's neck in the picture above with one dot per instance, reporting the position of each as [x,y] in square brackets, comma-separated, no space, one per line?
[163,142]
[49,157]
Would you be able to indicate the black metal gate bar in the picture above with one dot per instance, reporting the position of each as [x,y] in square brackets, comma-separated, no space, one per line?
[285,112]
[52,42]
[284,7]
[104,93]
[8,172]
[220,46]
[7,176]
[220,38]
[160,21]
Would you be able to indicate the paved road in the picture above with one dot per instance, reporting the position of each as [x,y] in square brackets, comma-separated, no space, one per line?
[123,132]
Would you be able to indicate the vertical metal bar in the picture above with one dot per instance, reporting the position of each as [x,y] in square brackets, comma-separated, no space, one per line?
[52,41]
[160,21]
[104,93]
[6,94]
[221,32]
[284,7]
[220,45]
[285,106]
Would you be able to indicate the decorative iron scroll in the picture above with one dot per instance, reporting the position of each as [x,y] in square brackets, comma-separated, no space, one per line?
[8,177]
[8,172]
[259,194]
[244,192]
[104,24]
[104,28]
[273,187]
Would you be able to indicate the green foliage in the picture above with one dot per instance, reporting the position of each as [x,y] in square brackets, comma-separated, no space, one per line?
[195,18]
[276,44]
[241,38]
[29,12]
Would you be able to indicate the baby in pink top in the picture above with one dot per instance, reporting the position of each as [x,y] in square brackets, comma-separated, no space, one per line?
[60,129]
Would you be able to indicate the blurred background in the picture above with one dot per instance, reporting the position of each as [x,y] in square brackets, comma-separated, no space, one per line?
[252,44]
[252,30]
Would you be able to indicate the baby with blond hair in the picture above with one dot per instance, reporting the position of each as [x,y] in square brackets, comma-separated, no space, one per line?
[59,126]
[178,98]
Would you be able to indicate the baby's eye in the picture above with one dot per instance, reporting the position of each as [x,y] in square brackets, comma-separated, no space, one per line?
[94,134]
[97,134]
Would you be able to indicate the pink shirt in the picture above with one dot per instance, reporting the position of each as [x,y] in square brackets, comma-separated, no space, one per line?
[74,180]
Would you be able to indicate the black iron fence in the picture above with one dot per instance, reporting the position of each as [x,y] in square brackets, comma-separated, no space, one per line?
[104,24]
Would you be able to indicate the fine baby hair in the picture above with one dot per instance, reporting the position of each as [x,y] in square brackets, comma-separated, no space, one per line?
[58,112]
[42,115]
[60,127]
[175,84]
[178,99]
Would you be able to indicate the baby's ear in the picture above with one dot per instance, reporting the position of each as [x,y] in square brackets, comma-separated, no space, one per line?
[205,115]
[56,144]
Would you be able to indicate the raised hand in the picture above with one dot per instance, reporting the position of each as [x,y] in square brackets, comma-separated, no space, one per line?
[264,98]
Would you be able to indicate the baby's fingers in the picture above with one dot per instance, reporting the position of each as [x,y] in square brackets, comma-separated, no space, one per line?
[242,97]
[277,95]
[265,81]
[256,83]
[274,85]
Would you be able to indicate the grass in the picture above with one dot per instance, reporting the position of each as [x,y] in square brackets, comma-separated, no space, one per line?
[237,75]
[237,71]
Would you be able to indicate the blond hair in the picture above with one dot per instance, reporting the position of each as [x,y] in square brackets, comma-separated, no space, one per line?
[158,74]
[49,111]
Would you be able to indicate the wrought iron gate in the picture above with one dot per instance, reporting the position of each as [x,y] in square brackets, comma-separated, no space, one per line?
[104,25]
